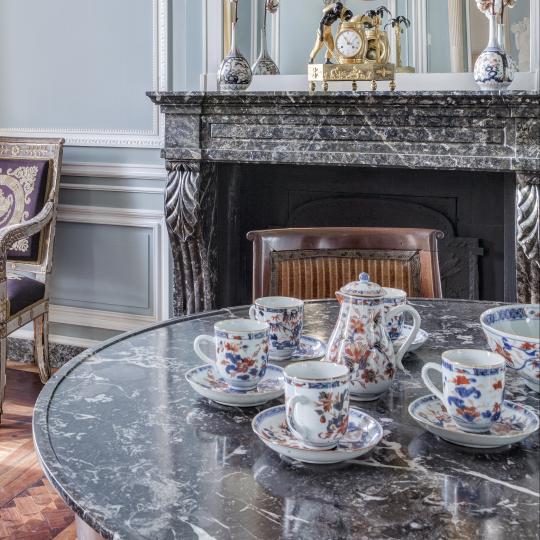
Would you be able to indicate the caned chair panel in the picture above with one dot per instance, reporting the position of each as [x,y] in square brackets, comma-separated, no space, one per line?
[313,263]
[310,274]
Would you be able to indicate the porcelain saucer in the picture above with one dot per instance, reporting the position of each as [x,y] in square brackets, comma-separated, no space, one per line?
[363,434]
[517,423]
[419,340]
[206,382]
[309,348]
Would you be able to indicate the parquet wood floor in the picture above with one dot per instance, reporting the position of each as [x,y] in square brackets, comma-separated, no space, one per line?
[30,508]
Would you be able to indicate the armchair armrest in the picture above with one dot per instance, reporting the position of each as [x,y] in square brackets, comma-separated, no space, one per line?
[10,234]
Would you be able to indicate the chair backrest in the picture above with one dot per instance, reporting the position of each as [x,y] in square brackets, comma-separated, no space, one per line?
[313,263]
[30,170]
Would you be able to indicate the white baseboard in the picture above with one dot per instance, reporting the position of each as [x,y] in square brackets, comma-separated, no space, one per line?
[94,318]
[115,170]
[70,341]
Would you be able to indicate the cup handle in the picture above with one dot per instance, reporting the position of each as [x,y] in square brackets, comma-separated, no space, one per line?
[197,347]
[428,382]
[253,313]
[289,411]
[416,326]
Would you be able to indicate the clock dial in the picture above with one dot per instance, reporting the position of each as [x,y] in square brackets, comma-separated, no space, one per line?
[348,43]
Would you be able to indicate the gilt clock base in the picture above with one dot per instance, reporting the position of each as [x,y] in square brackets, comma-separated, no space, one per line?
[354,73]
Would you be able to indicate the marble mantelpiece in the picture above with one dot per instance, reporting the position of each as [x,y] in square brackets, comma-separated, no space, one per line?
[422,130]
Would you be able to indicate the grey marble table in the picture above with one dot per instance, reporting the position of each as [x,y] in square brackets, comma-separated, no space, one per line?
[137,454]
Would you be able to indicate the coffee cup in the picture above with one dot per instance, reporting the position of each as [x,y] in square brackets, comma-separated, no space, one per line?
[473,387]
[285,317]
[394,324]
[241,351]
[317,402]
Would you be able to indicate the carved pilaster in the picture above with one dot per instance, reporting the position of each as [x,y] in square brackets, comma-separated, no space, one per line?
[528,237]
[190,214]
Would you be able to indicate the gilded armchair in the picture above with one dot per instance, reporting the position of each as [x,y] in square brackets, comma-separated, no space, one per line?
[29,186]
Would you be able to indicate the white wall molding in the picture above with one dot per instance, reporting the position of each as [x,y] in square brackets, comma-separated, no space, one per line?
[109,188]
[100,215]
[71,341]
[142,138]
[94,318]
[115,170]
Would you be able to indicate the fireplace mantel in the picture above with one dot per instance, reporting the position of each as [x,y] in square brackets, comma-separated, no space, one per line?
[420,130]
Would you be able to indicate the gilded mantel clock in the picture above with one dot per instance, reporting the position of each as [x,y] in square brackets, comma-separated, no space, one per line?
[359,51]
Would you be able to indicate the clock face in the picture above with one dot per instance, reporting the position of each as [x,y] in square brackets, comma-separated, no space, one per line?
[348,43]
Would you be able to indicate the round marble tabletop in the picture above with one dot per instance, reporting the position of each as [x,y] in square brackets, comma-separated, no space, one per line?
[136,453]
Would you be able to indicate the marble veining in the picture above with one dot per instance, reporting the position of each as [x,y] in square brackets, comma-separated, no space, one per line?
[138,454]
[487,131]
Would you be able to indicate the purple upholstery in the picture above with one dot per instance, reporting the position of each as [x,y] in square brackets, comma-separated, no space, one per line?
[23,187]
[23,292]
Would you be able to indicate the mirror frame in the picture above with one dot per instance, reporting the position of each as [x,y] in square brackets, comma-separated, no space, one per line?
[216,39]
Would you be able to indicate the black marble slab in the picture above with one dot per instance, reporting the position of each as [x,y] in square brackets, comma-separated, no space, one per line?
[137,454]
[444,130]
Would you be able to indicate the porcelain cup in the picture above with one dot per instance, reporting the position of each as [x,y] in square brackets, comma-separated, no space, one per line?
[473,387]
[285,317]
[317,402]
[241,351]
[394,324]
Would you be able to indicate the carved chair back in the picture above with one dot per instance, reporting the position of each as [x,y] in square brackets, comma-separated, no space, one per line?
[29,178]
[313,263]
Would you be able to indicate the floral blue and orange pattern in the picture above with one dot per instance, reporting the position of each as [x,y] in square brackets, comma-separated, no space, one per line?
[239,361]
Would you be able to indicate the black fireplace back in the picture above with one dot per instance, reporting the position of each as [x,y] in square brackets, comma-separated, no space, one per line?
[475,210]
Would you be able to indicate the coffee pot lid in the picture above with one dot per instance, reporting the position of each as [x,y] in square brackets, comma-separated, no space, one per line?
[363,287]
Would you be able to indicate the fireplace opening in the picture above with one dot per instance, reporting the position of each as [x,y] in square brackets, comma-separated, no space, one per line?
[475,210]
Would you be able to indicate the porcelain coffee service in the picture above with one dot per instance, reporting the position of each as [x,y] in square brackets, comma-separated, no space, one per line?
[361,341]
[473,387]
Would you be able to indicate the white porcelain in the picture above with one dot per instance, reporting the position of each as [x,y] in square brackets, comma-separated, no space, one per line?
[317,402]
[241,351]
[394,324]
[419,340]
[515,424]
[285,317]
[362,435]
[513,331]
[473,387]
[234,73]
[309,348]
[360,338]
[205,380]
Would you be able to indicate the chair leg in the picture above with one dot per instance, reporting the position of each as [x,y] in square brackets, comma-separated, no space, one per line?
[3,362]
[41,346]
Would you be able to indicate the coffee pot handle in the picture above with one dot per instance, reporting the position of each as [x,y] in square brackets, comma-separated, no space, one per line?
[412,336]
[197,346]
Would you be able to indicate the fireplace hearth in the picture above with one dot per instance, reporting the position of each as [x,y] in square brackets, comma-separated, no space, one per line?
[475,211]
[464,162]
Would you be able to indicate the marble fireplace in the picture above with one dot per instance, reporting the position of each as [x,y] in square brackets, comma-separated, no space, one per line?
[466,163]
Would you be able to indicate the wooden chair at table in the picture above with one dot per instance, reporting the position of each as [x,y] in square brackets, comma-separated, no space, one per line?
[29,186]
[313,263]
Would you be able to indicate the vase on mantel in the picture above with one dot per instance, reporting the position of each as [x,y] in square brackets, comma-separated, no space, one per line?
[234,74]
[264,64]
[492,70]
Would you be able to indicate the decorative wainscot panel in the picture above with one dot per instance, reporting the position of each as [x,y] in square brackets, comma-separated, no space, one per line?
[438,131]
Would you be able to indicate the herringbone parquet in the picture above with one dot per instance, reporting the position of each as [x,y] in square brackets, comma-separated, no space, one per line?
[30,509]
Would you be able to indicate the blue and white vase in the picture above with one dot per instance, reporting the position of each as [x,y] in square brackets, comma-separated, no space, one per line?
[492,70]
[234,73]
[264,64]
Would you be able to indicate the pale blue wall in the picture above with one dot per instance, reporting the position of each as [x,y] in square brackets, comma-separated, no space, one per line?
[87,64]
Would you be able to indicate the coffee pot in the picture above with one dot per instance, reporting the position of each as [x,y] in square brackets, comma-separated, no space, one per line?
[360,338]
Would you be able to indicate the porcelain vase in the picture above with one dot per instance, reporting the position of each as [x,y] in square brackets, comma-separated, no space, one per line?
[492,70]
[264,64]
[234,73]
